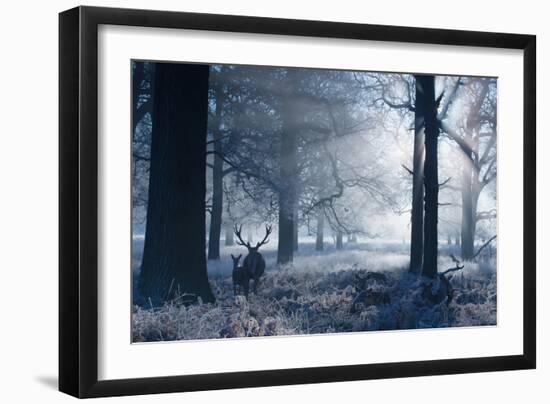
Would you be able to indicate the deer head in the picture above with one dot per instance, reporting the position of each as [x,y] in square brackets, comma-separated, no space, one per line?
[240,241]
[236,260]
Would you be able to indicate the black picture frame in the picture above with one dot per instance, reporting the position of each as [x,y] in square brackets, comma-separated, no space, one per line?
[78,201]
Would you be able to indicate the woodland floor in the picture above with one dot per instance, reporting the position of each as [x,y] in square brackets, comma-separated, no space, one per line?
[362,288]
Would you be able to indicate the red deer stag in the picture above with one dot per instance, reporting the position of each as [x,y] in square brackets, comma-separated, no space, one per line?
[254,263]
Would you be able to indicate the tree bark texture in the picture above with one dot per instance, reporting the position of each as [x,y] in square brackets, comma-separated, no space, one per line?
[431,180]
[217,185]
[174,260]
[339,240]
[288,171]
[417,210]
[319,239]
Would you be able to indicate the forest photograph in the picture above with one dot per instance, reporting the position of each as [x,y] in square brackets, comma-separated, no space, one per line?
[275,201]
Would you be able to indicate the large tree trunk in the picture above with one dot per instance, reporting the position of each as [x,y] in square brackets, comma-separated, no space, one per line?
[431,181]
[295,235]
[470,198]
[229,240]
[417,211]
[471,186]
[285,250]
[476,191]
[319,240]
[466,233]
[174,258]
[339,240]
[217,186]
[288,173]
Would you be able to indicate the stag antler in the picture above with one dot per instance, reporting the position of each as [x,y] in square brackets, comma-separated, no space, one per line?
[265,240]
[237,232]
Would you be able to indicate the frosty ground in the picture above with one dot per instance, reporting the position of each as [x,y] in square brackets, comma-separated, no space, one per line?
[364,287]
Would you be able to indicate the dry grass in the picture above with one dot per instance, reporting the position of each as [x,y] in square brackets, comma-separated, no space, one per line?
[311,300]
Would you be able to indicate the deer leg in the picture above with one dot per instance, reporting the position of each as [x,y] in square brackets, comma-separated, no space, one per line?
[256,281]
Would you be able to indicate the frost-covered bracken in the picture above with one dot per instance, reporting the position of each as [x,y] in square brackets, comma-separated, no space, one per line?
[312,299]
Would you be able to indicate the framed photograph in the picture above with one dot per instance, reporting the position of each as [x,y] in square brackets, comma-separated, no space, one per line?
[250,201]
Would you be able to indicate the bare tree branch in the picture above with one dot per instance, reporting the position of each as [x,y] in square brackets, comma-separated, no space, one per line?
[407,169]
[449,100]
[483,246]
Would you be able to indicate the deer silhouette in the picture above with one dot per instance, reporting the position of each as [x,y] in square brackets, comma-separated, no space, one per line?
[240,276]
[254,262]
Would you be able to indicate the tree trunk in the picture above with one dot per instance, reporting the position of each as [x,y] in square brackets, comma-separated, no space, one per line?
[466,233]
[417,210]
[285,250]
[229,241]
[217,186]
[431,180]
[174,258]
[476,191]
[295,236]
[470,199]
[288,173]
[319,240]
[339,240]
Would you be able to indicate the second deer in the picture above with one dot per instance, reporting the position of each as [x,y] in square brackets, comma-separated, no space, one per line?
[240,276]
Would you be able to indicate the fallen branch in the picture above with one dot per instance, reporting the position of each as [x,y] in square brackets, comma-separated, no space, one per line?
[456,268]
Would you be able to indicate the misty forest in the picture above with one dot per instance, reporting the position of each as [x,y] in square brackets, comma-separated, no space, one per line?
[281,201]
